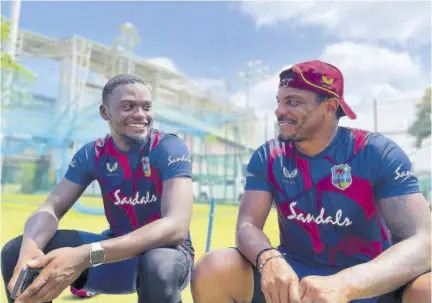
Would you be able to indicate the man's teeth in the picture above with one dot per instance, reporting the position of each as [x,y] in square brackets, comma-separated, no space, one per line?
[287,122]
[137,125]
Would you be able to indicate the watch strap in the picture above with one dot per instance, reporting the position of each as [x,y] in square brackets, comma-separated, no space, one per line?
[96,247]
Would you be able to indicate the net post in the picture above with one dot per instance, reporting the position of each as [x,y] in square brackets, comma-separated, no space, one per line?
[210,225]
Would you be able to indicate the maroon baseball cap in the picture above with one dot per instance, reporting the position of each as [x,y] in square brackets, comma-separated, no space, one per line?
[321,78]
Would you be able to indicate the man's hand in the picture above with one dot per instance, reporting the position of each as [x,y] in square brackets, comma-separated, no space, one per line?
[61,267]
[279,282]
[316,289]
[30,254]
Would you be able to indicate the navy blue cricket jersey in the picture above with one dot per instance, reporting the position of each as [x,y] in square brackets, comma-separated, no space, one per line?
[327,204]
[132,182]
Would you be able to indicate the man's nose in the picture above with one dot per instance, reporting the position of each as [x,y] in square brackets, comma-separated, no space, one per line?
[139,113]
[281,110]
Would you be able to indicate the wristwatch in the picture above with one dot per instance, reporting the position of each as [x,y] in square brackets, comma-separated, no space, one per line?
[97,254]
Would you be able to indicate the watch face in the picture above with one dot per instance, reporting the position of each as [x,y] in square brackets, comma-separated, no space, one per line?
[97,257]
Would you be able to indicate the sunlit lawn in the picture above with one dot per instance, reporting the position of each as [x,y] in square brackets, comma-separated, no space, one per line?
[13,216]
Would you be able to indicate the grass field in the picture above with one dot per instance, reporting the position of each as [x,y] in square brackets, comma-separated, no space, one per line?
[14,214]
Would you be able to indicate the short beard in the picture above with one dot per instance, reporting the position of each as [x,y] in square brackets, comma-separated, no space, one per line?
[282,138]
[132,141]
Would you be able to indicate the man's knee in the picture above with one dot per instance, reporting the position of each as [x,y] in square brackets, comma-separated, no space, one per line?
[227,269]
[215,265]
[419,290]
[9,257]
[161,274]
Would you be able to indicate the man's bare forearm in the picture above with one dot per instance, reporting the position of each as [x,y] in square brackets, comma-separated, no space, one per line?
[160,233]
[393,268]
[408,219]
[39,230]
[251,240]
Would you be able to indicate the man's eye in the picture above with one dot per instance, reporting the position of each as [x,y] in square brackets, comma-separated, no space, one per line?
[292,102]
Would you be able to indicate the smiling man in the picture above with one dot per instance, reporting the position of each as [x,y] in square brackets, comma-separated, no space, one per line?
[353,225]
[145,180]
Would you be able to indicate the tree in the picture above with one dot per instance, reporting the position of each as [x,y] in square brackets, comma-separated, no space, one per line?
[7,62]
[10,67]
[421,127]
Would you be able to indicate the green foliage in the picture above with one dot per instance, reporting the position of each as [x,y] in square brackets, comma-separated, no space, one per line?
[15,77]
[211,138]
[421,127]
[7,62]
[4,30]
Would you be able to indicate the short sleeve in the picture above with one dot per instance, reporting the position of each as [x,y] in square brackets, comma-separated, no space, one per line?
[395,174]
[80,170]
[256,175]
[172,158]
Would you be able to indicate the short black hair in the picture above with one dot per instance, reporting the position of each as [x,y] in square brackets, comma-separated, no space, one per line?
[121,79]
[339,112]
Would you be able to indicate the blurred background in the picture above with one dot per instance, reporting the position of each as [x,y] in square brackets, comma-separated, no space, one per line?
[213,70]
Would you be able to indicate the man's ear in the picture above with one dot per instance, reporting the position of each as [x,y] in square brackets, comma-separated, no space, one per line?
[103,110]
[332,105]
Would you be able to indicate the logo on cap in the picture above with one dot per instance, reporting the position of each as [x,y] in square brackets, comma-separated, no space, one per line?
[285,78]
[285,82]
[327,81]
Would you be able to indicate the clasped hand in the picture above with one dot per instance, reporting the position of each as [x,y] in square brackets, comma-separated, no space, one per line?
[61,267]
[280,284]
[322,289]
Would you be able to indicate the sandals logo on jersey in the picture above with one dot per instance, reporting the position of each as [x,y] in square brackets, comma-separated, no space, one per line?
[183,158]
[403,174]
[147,198]
[146,166]
[341,176]
[322,218]
[73,163]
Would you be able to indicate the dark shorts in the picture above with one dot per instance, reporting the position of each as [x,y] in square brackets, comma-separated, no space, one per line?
[122,277]
[112,278]
[304,270]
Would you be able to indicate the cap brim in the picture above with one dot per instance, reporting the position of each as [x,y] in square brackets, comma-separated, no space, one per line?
[347,110]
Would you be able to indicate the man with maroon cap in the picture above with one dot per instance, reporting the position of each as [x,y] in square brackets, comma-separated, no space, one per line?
[353,224]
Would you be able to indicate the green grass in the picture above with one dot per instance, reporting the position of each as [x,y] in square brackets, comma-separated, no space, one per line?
[13,217]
